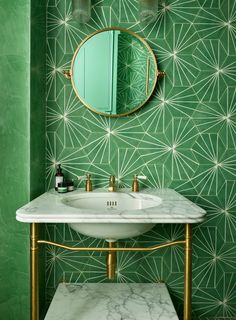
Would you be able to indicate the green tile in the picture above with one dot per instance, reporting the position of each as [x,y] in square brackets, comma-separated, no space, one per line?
[209,3]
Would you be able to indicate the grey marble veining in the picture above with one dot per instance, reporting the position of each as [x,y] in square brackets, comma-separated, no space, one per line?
[112,301]
[51,207]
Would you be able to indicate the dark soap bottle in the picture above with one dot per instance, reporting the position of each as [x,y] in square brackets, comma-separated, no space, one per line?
[59,176]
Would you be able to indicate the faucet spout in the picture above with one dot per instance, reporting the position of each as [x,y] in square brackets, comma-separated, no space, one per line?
[112,184]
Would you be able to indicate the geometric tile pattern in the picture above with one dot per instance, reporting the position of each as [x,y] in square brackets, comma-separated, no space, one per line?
[183,138]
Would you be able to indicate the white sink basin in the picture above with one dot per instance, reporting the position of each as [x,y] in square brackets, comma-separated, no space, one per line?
[115,202]
[110,201]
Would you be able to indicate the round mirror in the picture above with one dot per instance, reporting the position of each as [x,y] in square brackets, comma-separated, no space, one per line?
[114,72]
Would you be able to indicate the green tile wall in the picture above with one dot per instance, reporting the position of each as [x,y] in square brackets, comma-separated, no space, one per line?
[183,138]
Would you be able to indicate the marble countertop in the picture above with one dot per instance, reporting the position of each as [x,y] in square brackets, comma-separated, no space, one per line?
[50,208]
[112,301]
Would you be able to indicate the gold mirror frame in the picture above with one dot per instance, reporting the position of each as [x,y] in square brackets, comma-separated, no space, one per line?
[69,73]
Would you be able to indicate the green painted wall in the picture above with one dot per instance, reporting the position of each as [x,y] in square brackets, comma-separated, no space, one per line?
[37,97]
[184,138]
[15,157]
[22,145]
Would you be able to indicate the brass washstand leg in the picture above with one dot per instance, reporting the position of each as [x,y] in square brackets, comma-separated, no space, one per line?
[34,272]
[111,261]
[188,272]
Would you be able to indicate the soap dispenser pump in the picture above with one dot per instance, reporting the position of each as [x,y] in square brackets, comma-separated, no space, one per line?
[59,176]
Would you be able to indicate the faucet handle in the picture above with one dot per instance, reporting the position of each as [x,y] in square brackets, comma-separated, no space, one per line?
[142,177]
[88,182]
[135,184]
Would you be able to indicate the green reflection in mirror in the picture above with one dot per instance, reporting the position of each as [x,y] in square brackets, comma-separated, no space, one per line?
[114,72]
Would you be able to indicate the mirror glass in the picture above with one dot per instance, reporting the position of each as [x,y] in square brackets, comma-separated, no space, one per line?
[114,72]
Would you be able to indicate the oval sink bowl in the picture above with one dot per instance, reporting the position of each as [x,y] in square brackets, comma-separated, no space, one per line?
[106,204]
[111,231]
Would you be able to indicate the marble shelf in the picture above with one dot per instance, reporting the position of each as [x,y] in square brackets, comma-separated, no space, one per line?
[111,301]
[49,208]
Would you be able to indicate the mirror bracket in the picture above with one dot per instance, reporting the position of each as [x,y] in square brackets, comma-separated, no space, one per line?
[161,74]
[67,74]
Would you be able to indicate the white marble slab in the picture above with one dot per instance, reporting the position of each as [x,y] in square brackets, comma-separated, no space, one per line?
[173,208]
[112,301]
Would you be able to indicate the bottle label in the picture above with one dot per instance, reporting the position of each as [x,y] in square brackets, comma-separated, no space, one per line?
[58,179]
[62,189]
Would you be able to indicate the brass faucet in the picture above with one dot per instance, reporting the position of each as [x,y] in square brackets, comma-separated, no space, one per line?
[88,183]
[112,184]
[135,184]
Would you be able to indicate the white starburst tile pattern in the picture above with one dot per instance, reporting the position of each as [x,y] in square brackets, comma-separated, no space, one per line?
[183,138]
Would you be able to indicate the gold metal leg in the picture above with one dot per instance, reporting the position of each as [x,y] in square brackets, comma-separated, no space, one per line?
[188,272]
[111,264]
[34,272]
[111,261]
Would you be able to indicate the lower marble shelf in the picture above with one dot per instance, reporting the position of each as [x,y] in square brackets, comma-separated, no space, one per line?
[111,301]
